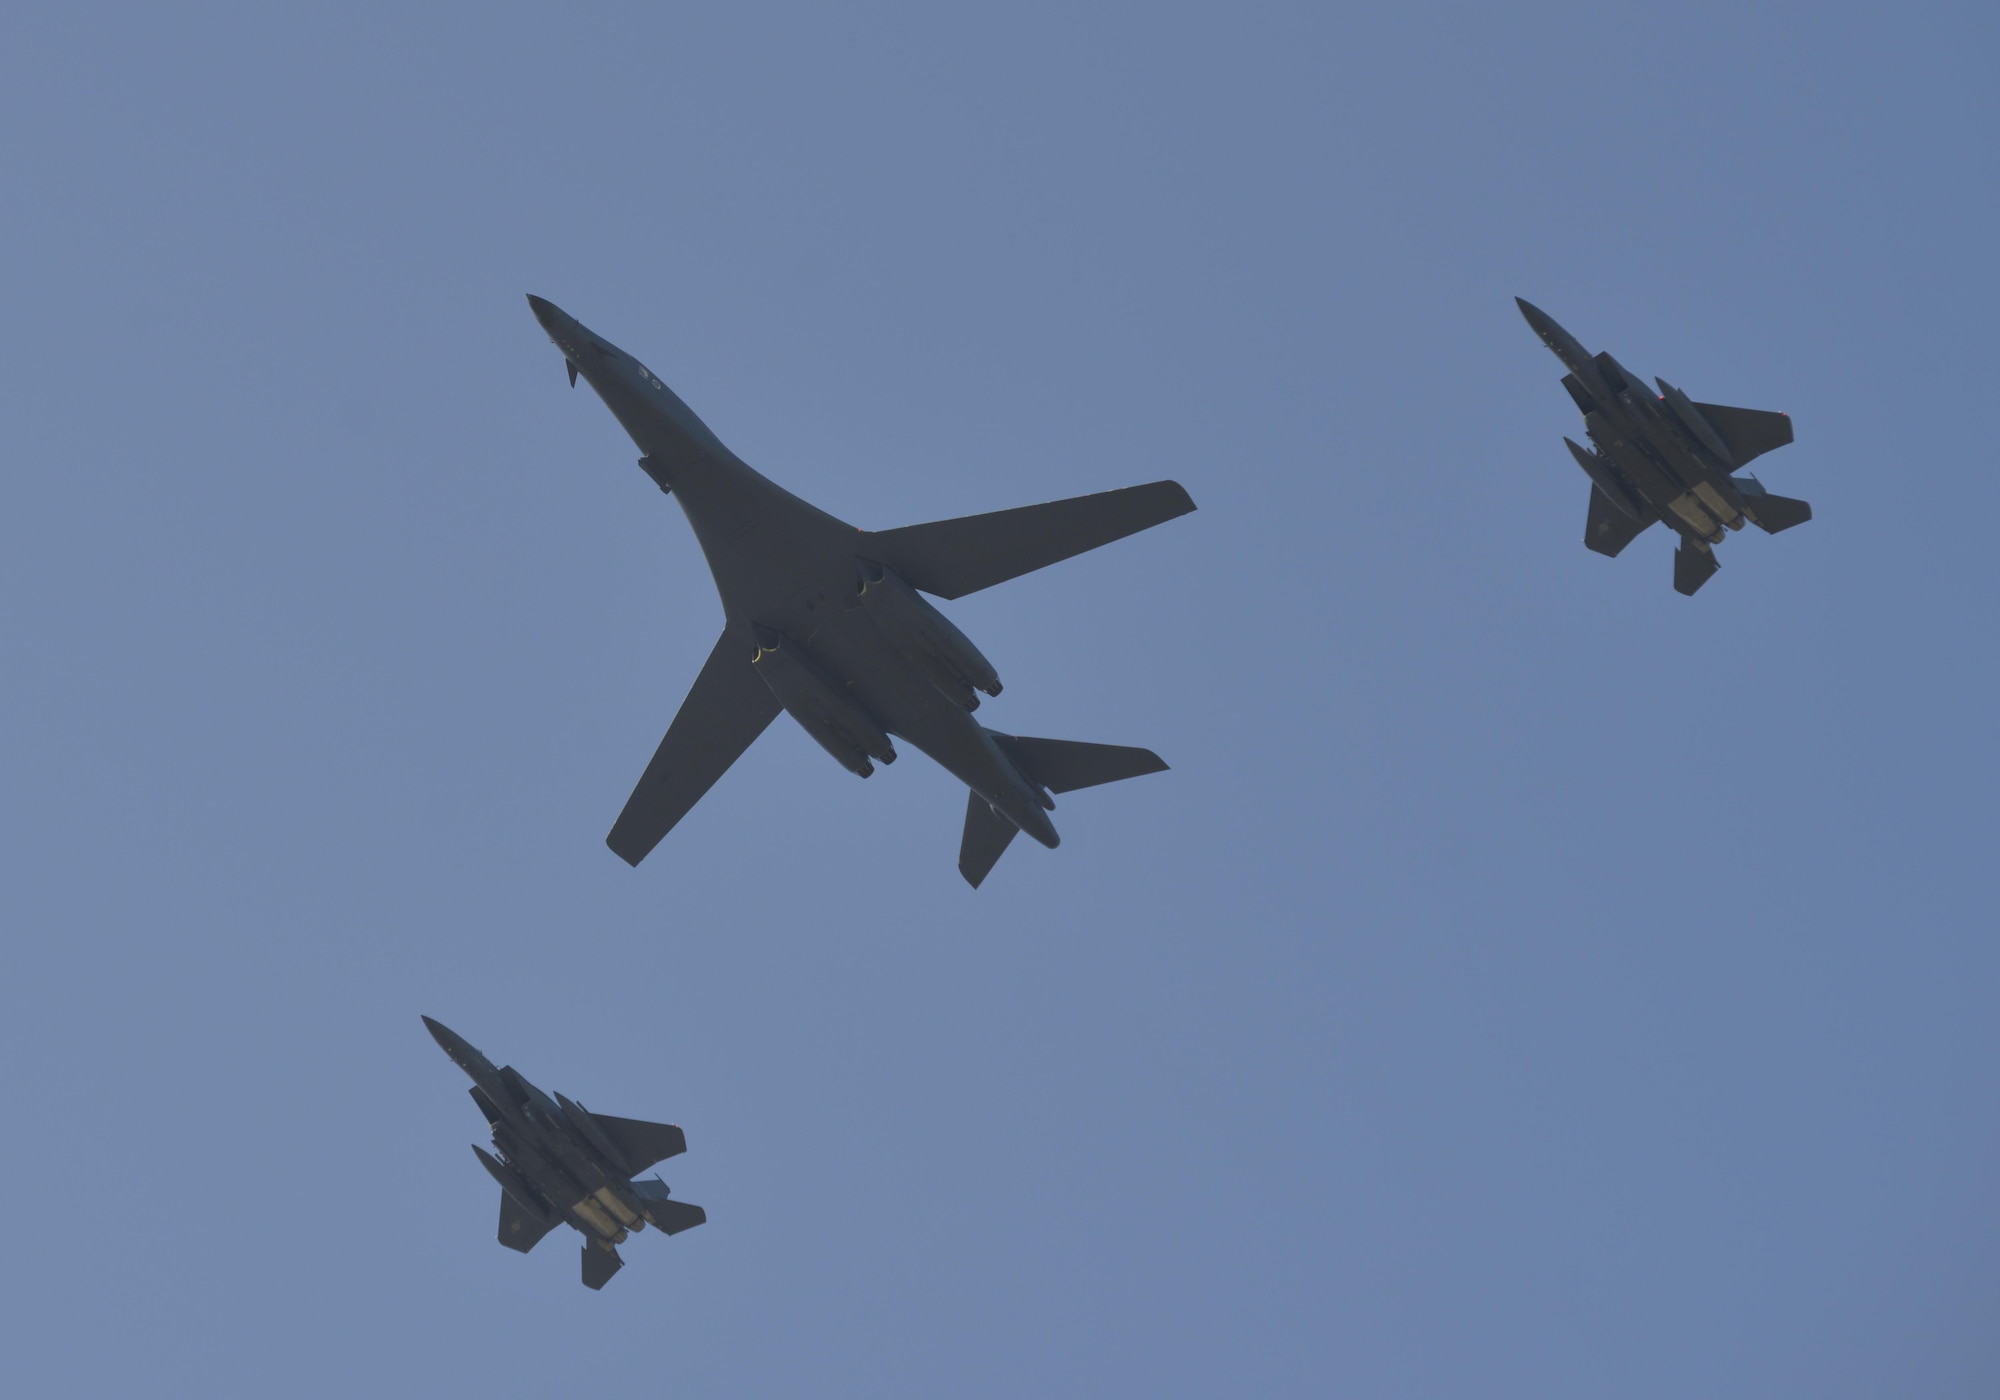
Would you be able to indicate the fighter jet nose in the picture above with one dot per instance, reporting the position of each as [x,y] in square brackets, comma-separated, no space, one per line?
[440,1034]
[1534,314]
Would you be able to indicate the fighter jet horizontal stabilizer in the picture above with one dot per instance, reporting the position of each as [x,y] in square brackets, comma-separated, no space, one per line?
[1693,566]
[670,1216]
[1774,513]
[600,1262]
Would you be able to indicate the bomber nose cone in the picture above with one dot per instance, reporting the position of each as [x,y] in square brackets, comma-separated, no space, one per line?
[547,312]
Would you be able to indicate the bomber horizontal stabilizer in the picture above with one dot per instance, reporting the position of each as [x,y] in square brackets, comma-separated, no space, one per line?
[987,836]
[1064,765]
[1747,432]
[951,558]
[725,711]
[1607,529]
[518,1229]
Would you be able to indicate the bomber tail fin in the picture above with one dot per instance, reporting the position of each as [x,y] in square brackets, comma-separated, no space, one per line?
[1060,765]
[987,835]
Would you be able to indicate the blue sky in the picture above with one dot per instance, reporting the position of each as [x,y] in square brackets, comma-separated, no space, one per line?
[1527,981]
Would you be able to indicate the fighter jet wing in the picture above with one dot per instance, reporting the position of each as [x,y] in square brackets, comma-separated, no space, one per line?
[640,1143]
[1747,432]
[722,716]
[1608,529]
[518,1229]
[951,558]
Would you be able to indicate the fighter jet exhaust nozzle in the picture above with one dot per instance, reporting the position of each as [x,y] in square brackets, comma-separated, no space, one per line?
[1688,507]
[618,1209]
[1718,506]
[595,1216]
[834,719]
[926,637]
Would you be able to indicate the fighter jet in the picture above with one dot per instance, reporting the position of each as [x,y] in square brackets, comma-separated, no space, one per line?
[560,1164]
[1665,457]
[828,623]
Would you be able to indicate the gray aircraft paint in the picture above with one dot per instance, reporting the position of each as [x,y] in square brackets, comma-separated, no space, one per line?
[561,1164]
[1665,457]
[825,621]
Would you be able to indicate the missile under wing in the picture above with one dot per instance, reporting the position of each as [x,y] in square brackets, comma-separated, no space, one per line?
[557,1163]
[1663,457]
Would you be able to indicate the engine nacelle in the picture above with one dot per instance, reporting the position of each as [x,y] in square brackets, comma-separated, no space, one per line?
[1580,396]
[515,1186]
[594,1215]
[618,1210]
[1691,419]
[824,710]
[926,636]
[1629,386]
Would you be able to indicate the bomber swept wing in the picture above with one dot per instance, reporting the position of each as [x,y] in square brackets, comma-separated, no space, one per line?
[831,624]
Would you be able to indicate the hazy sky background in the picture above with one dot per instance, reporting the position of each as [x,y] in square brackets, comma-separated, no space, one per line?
[1528,982]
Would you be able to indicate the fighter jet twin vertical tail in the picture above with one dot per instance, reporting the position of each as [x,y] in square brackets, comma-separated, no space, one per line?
[1665,457]
[829,624]
[561,1164]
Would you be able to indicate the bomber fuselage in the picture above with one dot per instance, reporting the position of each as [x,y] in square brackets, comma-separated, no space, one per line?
[791,579]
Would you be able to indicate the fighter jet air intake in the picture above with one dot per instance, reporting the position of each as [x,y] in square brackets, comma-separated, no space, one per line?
[1665,457]
[829,623]
[560,1164]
